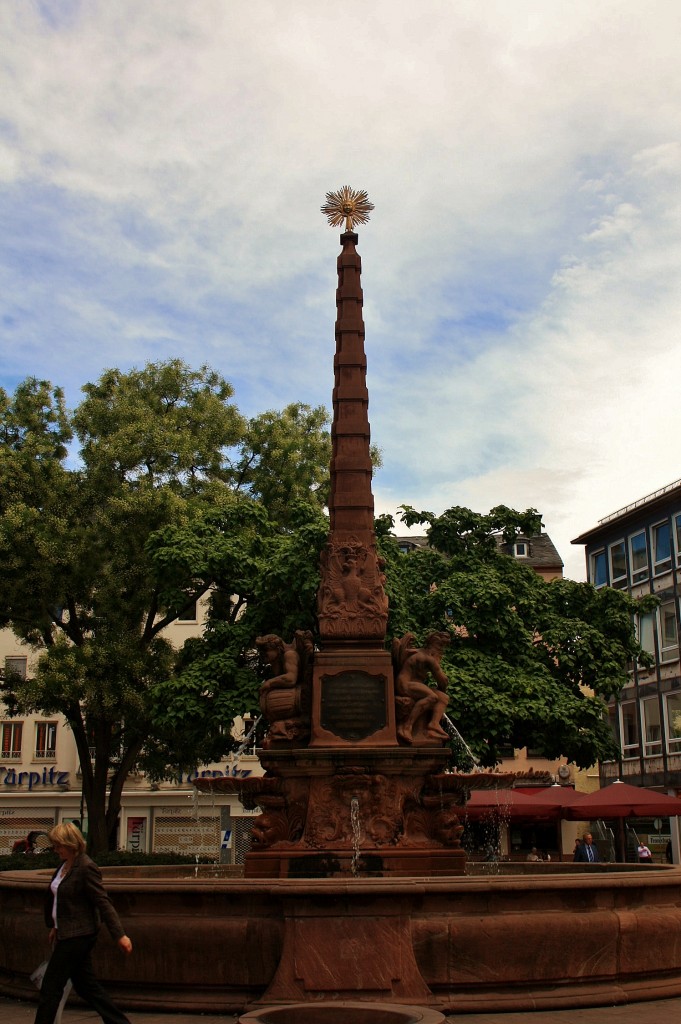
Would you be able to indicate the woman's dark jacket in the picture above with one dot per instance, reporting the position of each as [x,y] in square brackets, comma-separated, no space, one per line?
[82,903]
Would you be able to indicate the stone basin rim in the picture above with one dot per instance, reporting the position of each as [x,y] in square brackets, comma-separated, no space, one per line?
[342,1012]
[133,877]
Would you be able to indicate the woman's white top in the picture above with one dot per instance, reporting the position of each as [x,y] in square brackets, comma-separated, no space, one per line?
[54,886]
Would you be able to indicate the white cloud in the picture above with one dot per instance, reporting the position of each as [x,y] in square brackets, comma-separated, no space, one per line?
[162,165]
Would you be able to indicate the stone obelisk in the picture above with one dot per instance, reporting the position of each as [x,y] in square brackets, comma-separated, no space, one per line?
[353,691]
[343,794]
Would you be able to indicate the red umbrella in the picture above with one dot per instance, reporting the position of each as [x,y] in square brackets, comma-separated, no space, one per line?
[556,796]
[507,803]
[621,800]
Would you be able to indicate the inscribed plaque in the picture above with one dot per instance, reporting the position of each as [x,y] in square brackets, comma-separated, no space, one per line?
[353,704]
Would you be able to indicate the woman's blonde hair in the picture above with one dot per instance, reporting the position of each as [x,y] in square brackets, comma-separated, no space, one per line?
[67,834]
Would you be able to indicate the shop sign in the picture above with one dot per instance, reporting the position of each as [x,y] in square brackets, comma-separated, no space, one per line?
[208,773]
[137,835]
[32,780]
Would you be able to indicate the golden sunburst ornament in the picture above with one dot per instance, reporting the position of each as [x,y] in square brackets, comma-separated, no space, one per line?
[347,205]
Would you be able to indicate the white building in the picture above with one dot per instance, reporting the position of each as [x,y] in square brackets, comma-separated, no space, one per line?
[40,782]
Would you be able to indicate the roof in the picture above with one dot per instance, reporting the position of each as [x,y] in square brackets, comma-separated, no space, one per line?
[633,512]
[542,551]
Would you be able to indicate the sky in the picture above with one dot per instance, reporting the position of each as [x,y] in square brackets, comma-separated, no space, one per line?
[162,168]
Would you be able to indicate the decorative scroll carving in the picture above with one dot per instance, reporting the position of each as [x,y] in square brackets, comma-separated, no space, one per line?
[447,829]
[269,828]
[419,705]
[284,806]
[351,601]
[380,801]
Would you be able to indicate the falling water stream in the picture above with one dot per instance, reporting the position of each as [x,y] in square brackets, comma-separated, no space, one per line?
[356,835]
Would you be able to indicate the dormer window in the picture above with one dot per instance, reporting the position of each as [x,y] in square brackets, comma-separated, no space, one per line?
[521,549]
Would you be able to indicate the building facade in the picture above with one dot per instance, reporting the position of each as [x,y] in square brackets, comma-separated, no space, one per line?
[638,549]
[40,781]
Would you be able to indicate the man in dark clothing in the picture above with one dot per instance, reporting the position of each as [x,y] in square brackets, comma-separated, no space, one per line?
[586,852]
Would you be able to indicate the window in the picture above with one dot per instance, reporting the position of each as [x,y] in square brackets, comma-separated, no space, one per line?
[189,614]
[662,548]
[521,549]
[638,552]
[677,536]
[645,629]
[10,740]
[46,740]
[652,728]
[629,729]
[669,638]
[599,572]
[16,667]
[674,721]
[618,564]
[613,715]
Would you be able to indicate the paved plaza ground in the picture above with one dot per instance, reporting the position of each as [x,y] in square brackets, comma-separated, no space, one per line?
[662,1011]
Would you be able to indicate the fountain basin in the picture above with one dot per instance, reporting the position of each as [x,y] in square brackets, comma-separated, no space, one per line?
[461,944]
[342,1013]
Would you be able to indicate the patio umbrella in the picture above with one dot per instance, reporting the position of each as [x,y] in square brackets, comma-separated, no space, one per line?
[507,803]
[620,800]
[558,797]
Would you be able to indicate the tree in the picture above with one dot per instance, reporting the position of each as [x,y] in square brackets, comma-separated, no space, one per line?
[531,663]
[86,577]
[175,497]
[265,582]
[285,457]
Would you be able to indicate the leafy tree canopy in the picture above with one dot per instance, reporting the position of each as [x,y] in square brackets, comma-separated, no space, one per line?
[164,505]
[531,663]
[175,496]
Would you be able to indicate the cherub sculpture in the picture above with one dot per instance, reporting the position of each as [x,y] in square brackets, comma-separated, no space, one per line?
[413,666]
[284,696]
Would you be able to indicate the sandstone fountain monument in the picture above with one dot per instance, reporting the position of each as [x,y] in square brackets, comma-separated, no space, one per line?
[354,753]
[354,891]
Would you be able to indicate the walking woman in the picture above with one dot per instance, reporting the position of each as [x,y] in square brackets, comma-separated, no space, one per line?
[75,905]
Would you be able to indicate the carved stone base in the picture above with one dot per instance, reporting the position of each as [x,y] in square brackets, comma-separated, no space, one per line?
[334,812]
[335,946]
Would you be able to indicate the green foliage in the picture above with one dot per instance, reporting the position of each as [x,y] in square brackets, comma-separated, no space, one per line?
[531,663]
[108,859]
[176,496]
[272,588]
[162,425]
[285,457]
[24,862]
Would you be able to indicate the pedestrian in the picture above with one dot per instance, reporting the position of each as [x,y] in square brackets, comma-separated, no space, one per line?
[75,904]
[586,852]
[644,854]
[26,845]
